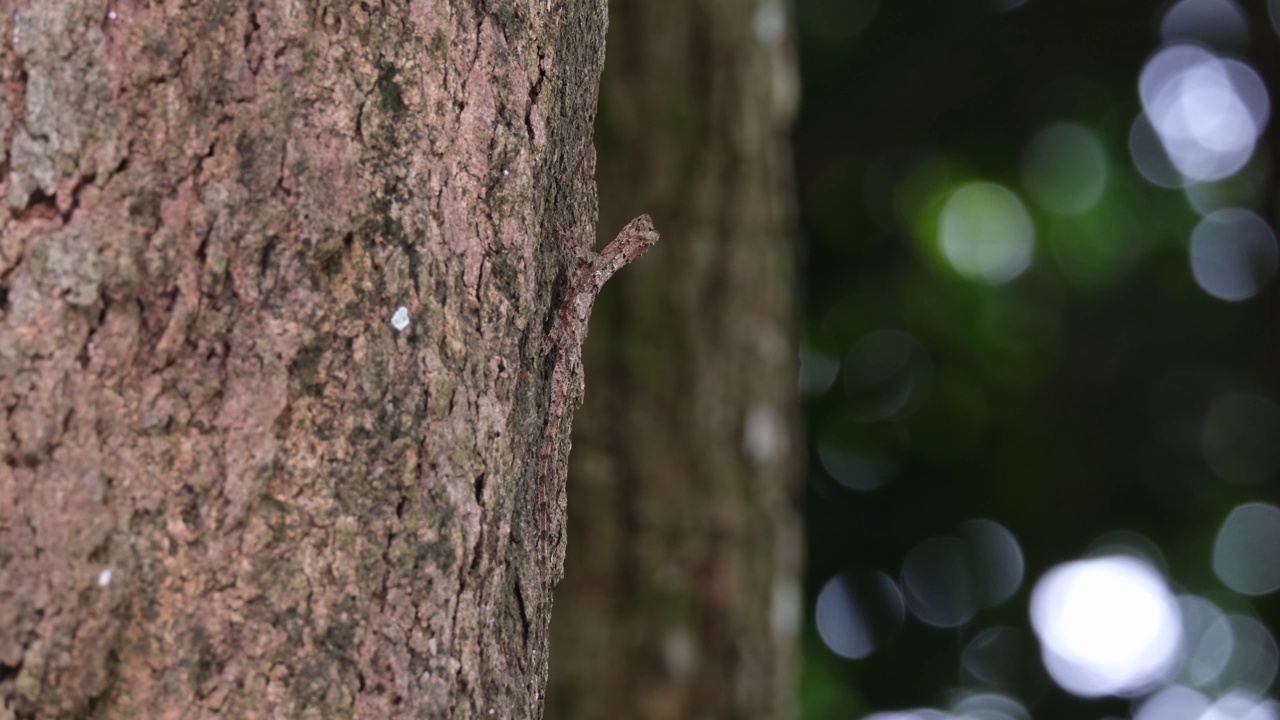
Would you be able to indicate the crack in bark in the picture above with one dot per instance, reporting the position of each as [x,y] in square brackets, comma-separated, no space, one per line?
[525,621]
[39,206]
[83,356]
[535,92]
[74,203]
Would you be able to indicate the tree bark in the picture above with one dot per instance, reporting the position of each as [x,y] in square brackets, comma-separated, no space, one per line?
[681,596]
[229,486]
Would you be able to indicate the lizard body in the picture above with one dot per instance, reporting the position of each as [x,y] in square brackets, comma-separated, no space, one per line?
[568,331]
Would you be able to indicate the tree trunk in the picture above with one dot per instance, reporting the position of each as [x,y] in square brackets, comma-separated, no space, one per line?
[230,483]
[681,597]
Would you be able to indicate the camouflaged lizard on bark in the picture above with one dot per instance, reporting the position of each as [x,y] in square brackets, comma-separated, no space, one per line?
[568,331]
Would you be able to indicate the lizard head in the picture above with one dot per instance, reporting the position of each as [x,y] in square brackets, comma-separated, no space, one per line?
[643,228]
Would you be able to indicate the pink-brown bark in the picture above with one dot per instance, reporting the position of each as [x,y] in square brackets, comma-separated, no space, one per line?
[228,486]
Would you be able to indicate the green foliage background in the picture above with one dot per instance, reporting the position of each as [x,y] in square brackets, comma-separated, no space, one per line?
[1064,404]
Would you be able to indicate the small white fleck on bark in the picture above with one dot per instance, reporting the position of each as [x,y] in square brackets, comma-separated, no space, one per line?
[770,21]
[111,15]
[400,320]
[786,608]
[104,578]
[763,435]
[679,653]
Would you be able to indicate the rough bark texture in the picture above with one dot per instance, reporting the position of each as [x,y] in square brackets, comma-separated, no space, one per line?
[228,485]
[681,595]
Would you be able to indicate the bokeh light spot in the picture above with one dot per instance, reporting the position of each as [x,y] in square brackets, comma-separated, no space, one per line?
[1208,112]
[1131,544]
[1219,24]
[1241,706]
[1107,626]
[1150,157]
[887,374]
[1240,438]
[854,470]
[857,613]
[1064,169]
[937,582]
[1208,641]
[817,371]
[997,656]
[989,706]
[1254,657]
[996,560]
[1233,254]
[917,714]
[1244,189]
[1245,555]
[947,579]
[1173,703]
[986,233]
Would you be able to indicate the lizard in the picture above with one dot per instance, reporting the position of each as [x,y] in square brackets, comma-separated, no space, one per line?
[568,331]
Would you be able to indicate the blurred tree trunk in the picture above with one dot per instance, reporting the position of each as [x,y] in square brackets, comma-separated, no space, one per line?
[229,486]
[681,596]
